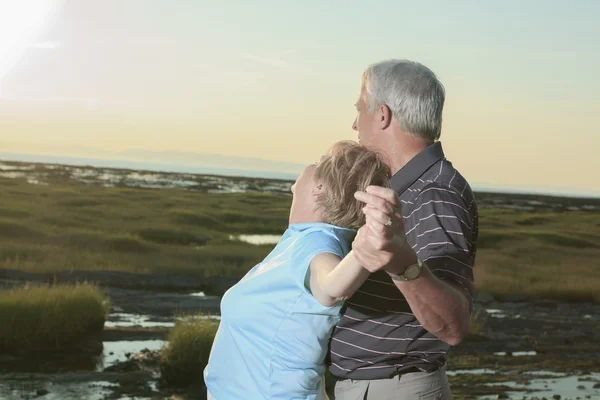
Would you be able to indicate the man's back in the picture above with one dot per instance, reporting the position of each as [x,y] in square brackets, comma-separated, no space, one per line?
[378,336]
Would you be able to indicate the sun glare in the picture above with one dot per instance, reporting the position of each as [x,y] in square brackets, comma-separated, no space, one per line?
[21,22]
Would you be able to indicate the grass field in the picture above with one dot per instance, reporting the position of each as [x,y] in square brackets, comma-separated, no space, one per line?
[68,226]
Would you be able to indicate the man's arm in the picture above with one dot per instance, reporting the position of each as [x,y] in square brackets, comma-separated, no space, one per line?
[441,308]
[438,229]
[333,279]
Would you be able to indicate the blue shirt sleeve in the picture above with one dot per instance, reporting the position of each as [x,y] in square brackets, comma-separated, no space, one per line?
[308,246]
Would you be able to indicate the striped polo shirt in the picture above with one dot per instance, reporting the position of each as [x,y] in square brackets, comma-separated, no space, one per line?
[378,336]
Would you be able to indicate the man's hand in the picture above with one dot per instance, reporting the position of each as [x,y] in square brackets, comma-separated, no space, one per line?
[381,242]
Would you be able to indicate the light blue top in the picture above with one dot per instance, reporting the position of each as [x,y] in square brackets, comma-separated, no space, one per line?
[274,335]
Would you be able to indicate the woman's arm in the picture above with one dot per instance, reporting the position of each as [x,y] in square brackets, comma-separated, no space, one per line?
[333,279]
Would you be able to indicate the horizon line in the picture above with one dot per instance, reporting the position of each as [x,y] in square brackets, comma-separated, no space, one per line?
[168,167]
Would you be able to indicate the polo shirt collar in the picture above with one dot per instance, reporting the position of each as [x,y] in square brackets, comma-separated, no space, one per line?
[416,167]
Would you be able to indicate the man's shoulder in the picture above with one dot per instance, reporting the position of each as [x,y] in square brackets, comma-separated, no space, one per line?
[441,177]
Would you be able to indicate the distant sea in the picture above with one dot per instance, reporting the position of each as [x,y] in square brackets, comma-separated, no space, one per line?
[249,173]
[146,166]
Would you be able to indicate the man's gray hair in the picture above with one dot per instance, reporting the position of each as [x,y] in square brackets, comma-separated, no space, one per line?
[412,92]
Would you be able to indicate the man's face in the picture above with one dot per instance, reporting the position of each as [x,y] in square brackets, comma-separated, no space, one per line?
[365,123]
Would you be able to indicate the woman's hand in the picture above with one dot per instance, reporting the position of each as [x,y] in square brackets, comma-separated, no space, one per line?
[381,242]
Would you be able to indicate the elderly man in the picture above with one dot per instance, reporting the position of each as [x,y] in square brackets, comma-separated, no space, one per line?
[419,242]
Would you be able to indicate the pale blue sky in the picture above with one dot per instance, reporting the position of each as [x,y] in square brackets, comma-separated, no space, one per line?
[278,79]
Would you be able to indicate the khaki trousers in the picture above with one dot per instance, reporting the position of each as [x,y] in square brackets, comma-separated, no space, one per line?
[411,386]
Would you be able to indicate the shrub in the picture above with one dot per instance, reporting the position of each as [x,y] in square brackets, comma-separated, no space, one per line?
[563,240]
[477,322]
[535,220]
[492,239]
[15,230]
[43,317]
[88,241]
[229,217]
[183,361]
[128,244]
[196,219]
[11,213]
[81,202]
[171,236]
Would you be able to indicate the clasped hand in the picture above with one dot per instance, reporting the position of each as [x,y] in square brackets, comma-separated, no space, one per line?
[380,244]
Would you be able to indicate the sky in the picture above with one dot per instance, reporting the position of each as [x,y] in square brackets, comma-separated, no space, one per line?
[278,80]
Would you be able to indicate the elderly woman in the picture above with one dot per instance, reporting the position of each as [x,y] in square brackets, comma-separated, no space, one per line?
[277,320]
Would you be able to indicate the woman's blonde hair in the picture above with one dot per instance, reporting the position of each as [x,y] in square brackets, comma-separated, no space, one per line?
[348,167]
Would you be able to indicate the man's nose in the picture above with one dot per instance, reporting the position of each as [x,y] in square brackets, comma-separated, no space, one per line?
[354,126]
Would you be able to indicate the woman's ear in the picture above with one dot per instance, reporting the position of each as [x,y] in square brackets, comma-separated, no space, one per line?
[317,190]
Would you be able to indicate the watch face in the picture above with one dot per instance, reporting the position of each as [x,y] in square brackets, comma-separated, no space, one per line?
[413,271]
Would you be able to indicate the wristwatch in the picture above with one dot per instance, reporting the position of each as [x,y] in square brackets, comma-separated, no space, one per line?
[411,273]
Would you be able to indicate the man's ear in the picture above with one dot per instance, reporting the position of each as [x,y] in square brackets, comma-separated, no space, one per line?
[385,116]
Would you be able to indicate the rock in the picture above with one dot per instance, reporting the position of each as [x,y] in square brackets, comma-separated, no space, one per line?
[128,354]
[556,397]
[580,387]
[126,366]
[502,396]
[41,392]
[147,358]
[596,386]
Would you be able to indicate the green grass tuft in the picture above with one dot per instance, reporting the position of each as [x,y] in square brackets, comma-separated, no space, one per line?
[183,361]
[42,317]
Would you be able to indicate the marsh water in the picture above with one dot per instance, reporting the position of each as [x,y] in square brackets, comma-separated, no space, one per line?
[527,349]
[80,376]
